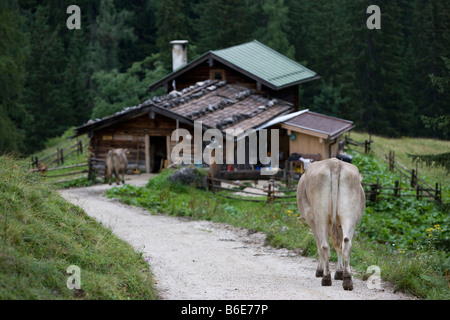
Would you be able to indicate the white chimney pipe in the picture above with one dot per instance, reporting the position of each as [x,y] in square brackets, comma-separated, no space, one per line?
[179,53]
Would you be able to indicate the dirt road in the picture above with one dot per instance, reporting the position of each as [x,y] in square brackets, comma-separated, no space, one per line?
[204,260]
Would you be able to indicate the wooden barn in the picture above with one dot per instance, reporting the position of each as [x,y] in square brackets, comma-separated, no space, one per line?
[243,87]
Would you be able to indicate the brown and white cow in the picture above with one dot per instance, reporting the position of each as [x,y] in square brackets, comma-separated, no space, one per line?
[331,200]
[116,163]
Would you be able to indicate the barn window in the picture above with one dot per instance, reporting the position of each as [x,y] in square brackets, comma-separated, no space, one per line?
[217,74]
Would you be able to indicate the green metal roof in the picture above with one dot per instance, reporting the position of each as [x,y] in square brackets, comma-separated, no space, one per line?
[265,63]
[257,61]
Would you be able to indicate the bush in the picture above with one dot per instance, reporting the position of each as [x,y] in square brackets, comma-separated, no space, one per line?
[190,175]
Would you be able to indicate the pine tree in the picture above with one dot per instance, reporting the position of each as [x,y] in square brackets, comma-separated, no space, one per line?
[45,95]
[77,78]
[276,27]
[110,28]
[430,43]
[172,25]
[223,23]
[12,71]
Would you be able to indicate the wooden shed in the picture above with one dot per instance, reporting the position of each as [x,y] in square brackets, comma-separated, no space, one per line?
[311,133]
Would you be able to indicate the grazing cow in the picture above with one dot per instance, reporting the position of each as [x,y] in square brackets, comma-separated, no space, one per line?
[116,163]
[331,200]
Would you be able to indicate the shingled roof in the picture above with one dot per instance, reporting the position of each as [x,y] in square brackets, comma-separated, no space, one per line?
[319,125]
[255,60]
[215,103]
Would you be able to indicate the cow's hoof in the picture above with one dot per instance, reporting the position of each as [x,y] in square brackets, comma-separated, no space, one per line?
[348,283]
[326,280]
[338,275]
[319,273]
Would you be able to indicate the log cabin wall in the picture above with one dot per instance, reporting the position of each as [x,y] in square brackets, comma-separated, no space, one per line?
[219,71]
[131,134]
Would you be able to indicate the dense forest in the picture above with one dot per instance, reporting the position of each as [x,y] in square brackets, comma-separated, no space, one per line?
[53,77]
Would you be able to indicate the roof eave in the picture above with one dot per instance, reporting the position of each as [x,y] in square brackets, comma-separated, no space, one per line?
[316,77]
[340,132]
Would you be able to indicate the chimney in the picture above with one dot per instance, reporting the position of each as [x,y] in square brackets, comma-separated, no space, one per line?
[179,53]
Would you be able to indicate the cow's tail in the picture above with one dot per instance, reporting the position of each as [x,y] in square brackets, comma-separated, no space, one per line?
[115,166]
[335,177]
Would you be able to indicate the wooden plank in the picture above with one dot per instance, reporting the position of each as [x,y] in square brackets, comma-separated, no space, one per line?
[67,167]
[64,181]
[147,153]
[169,150]
[68,174]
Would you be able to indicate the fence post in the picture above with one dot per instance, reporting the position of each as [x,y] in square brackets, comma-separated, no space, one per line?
[210,183]
[61,156]
[413,178]
[79,148]
[418,192]
[397,189]
[391,161]
[438,193]
[373,192]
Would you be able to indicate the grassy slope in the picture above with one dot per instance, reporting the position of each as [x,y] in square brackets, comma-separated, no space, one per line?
[404,146]
[41,235]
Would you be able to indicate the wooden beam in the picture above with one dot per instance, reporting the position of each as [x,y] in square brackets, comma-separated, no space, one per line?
[169,151]
[147,153]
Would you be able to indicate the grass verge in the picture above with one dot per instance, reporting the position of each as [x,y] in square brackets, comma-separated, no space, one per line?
[41,235]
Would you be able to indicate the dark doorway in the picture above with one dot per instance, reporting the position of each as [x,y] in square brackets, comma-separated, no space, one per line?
[158,153]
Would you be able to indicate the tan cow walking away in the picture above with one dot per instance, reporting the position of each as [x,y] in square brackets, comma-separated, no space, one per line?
[331,200]
[116,163]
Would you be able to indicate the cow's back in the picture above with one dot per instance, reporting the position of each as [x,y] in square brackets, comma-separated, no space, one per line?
[314,193]
[120,159]
[329,188]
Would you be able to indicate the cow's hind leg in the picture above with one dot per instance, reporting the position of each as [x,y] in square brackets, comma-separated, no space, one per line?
[108,176]
[338,274]
[319,269]
[347,275]
[324,254]
[326,280]
[116,173]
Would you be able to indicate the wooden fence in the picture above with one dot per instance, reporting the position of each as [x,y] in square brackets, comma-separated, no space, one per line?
[55,162]
[418,187]
[276,189]
[287,180]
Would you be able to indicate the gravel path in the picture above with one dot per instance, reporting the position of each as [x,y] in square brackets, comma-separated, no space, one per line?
[203,260]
